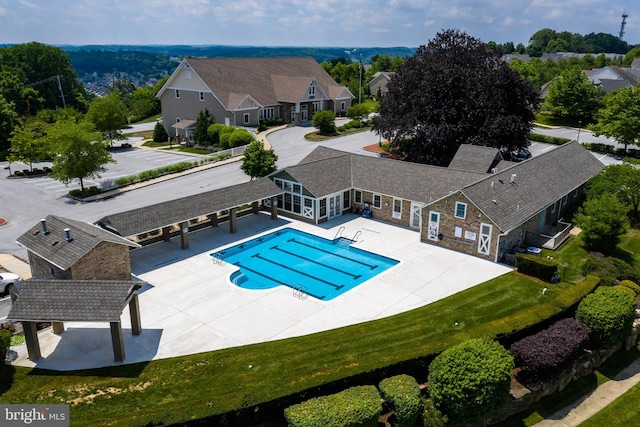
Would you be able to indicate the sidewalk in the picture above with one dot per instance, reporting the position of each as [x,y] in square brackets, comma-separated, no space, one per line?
[587,406]
[15,265]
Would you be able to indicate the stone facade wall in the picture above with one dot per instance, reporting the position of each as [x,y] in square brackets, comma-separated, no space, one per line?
[470,224]
[42,269]
[107,261]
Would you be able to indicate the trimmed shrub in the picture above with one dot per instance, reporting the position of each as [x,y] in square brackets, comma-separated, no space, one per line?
[534,266]
[548,139]
[608,314]
[213,133]
[570,296]
[5,342]
[631,285]
[471,380]
[544,355]
[432,417]
[402,392]
[159,133]
[624,270]
[355,407]
[325,121]
[240,137]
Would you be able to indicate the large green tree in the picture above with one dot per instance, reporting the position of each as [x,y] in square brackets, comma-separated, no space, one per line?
[453,92]
[203,121]
[603,220]
[37,65]
[109,115]
[80,152]
[622,180]
[258,161]
[8,122]
[571,94]
[619,116]
[325,121]
[29,143]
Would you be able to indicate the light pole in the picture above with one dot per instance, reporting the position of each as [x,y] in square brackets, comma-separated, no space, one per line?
[579,126]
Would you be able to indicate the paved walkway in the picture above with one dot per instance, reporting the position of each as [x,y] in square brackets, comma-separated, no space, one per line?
[587,406]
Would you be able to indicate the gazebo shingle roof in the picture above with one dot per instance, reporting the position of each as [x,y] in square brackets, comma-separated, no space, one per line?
[72,300]
[56,249]
[171,212]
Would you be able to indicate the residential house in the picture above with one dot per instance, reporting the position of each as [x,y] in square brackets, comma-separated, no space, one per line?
[244,91]
[62,248]
[379,81]
[612,77]
[480,204]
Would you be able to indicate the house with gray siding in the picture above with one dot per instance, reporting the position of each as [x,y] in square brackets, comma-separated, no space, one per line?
[244,91]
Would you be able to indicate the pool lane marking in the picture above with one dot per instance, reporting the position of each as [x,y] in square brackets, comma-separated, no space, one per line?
[373,267]
[354,276]
[273,280]
[337,287]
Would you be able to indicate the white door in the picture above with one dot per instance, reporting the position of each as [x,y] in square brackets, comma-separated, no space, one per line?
[434,225]
[304,113]
[334,206]
[415,215]
[484,243]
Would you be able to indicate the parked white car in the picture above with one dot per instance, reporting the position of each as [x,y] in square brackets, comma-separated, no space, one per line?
[7,280]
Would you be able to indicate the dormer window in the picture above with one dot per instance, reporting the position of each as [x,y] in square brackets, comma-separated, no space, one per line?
[312,90]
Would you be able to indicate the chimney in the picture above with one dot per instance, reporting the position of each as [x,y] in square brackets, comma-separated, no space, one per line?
[67,232]
[513,178]
[44,226]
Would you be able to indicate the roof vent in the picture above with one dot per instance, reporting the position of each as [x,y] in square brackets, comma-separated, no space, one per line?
[494,201]
[513,178]
[494,170]
[44,226]
[67,232]
[491,184]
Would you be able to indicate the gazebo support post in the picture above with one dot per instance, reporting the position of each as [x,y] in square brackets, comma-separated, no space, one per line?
[117,341]
[274,208]
[184,235]
[166,235]
[214,219]
[31,338]
[255,207]
[58,327]
[134,312]
[233,221]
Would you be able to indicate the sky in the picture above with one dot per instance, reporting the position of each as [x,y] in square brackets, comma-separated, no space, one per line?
[352,23]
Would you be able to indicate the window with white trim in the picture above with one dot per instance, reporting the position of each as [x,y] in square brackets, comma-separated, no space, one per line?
[323,208]
[177,93]
[187,75]
[564,200]
[461,210]
[357,197]
[397,208]
[267,113]
[202,96]
[312,90]
[316,106]
[377,201]
[346,200]
[293,200]
[247,118]
[342,106]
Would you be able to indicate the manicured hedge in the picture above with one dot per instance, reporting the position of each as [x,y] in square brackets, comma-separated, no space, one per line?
[355,407]
[470,381]
[548,139]
[534,266]
[544,355]
[432,417]
[631,285]
[608,314]
[402,392]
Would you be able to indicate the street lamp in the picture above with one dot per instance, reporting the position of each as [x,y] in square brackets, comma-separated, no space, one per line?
[579,126]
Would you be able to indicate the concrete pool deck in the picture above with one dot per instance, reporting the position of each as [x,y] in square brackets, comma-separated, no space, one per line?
[189,306]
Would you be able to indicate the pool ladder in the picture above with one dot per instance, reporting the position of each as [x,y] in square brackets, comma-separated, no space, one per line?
[339,232]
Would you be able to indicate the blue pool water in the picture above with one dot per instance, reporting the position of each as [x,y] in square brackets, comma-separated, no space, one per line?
[308,264]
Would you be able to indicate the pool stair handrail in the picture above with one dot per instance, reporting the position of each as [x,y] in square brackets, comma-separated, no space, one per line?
[217,258]
[339,232]
[355,236]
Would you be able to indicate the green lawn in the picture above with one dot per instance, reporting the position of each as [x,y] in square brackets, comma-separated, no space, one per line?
[622,412]
[195,386]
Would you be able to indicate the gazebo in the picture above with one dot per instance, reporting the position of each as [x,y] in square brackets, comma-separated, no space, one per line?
[60,301]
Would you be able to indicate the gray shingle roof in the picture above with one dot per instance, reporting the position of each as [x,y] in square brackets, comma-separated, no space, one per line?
[267,80]
[141,220]
[54,247]
[539,182]
[475,158]
[325,171]
[72,300]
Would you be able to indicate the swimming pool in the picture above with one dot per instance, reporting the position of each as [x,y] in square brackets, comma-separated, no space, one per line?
[310,265]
